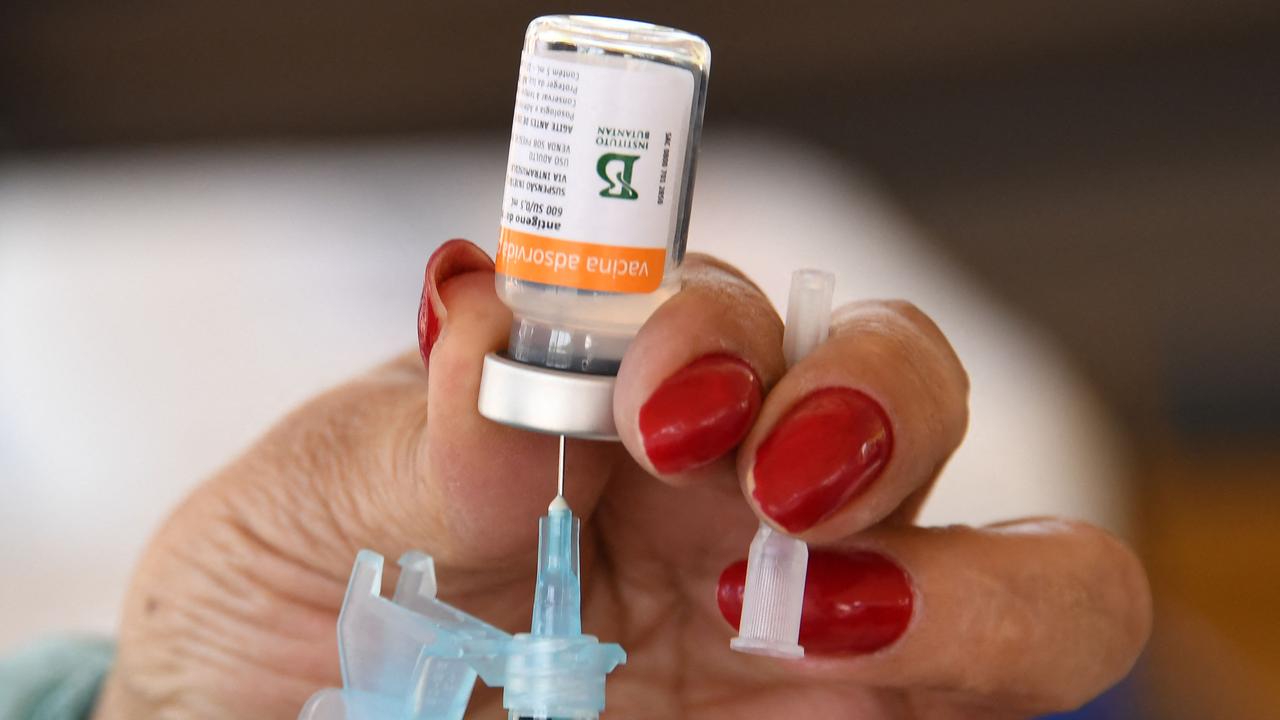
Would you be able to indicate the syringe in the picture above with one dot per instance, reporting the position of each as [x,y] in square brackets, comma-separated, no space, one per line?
[555,671]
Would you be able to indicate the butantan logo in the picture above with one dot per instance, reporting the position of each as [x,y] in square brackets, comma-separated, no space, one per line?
[615,169]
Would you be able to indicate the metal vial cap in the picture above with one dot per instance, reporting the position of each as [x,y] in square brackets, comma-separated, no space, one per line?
[546,400]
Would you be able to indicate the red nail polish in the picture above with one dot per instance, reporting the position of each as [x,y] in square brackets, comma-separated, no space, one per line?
[454,257]
[699,413]
[428,322]
[730,590]
[826,450]
[854,603]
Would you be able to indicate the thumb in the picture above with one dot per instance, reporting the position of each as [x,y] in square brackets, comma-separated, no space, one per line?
[488,482]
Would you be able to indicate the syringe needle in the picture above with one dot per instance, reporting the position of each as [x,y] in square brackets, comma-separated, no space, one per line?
[559,504]
[560,474]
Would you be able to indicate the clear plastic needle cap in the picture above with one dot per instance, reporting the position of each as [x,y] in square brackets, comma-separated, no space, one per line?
[773,597]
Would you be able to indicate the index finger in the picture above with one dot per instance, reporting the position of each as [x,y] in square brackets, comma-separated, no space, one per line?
[693,380]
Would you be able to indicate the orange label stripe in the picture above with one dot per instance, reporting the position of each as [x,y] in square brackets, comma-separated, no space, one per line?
[586,266]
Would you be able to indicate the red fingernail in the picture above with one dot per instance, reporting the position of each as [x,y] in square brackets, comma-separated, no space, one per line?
[452,258]
[854,603]
[826,450]
[699,413]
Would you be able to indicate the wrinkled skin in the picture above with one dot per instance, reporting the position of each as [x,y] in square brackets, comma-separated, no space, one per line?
[232,610]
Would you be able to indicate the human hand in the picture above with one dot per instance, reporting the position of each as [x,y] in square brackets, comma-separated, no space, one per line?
[233,608]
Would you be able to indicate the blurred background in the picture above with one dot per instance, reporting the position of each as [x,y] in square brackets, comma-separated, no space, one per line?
[210,210]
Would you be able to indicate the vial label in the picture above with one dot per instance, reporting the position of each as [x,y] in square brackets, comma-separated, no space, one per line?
[594,175]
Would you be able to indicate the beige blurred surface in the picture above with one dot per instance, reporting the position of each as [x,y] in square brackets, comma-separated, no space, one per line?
[159,310]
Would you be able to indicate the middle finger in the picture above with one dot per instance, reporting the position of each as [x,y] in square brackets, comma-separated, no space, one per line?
[863,423]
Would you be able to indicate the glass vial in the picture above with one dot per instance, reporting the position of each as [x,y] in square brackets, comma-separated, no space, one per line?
[595,210]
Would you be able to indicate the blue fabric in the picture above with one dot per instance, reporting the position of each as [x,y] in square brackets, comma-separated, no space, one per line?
[55,679]
[1119,703]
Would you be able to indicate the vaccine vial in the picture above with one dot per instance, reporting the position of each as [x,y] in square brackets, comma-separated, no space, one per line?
[599,182]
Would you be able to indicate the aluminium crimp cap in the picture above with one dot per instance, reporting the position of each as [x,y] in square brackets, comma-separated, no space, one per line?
[550,401]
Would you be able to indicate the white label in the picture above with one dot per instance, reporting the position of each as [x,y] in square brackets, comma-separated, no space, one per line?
[597,158]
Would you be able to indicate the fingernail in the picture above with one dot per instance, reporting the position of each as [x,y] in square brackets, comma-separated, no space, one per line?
[828,448]
[452,258]
[699,413]
[854,603]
